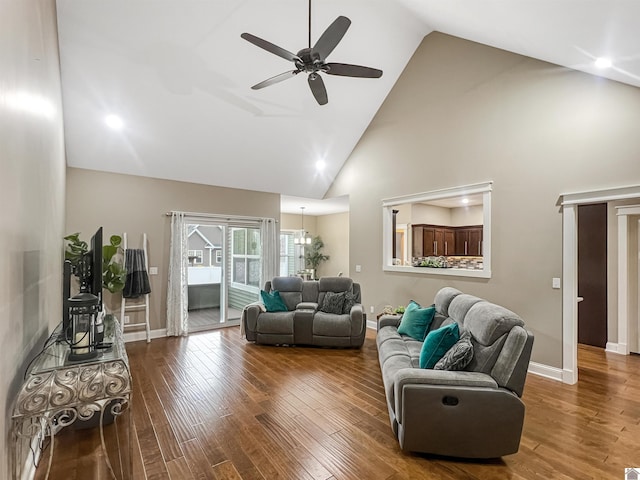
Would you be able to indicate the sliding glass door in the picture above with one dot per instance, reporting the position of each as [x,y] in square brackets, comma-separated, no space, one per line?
[223,273]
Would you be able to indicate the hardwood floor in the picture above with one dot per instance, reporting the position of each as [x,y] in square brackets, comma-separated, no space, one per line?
[208,318]
[214,406]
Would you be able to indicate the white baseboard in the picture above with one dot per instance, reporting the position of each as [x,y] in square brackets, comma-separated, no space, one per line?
[546,371]
[372,325]
[619,348]
[142,335]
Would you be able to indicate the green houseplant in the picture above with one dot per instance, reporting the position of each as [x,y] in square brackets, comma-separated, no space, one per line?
[313,256]
[114,274]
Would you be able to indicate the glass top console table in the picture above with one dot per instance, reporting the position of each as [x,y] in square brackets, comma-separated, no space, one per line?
[57,393]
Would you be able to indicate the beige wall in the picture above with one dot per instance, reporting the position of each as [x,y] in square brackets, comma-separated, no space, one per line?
[32,186]
[137,205]
[290,221]
[463,216]
[334,231]
[474,113]
[430,214]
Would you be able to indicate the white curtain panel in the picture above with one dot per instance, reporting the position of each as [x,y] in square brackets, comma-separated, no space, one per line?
[270,250]
[177,295]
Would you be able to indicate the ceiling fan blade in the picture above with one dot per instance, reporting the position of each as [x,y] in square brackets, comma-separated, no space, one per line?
[317,88]
[331,37]
[270,47]
[276,79]
[347,70]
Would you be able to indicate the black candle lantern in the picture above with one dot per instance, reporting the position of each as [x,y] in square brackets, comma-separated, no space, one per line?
[83,309]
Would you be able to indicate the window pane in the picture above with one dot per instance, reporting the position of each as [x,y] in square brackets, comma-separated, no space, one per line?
[239,270]
[239,243]
[254,272]
[253,241]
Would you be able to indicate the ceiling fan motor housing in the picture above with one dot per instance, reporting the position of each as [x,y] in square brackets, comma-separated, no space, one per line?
[310,60]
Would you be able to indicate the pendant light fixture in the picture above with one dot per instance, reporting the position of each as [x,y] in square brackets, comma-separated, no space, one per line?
[303,238]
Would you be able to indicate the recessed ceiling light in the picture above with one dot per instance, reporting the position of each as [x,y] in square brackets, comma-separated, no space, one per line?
[320,164]
[603,62]
[114,121]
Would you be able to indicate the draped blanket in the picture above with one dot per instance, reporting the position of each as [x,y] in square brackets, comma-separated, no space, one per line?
[137,282]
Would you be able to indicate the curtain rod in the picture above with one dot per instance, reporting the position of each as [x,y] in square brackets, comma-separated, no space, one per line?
[219,216]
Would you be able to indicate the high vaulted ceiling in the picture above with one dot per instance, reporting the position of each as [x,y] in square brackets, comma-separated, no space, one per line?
[179,76]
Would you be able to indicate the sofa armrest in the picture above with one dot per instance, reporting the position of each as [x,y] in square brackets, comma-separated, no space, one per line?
[358,323]
[307,306]
[443,377]
[250,318]
[435,378]
[389,321]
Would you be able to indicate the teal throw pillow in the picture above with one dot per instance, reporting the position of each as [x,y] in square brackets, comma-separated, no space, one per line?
[437,343]
[273,301]
[416,320]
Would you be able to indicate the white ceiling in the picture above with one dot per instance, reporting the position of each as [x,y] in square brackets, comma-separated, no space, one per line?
[179,75]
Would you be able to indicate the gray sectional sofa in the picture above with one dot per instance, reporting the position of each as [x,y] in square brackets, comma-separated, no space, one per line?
[474,413]
[304,322]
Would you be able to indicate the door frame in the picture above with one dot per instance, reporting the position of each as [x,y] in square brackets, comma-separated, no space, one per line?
[569,203]
[627,329]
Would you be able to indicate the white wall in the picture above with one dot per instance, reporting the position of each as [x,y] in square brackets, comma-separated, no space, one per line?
[32,189]
[476,114]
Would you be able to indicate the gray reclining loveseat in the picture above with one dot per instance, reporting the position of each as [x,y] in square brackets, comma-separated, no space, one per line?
[475,413]
[304,322]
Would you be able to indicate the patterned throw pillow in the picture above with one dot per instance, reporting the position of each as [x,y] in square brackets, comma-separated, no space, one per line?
[458,356]
[349,301]
[333,303]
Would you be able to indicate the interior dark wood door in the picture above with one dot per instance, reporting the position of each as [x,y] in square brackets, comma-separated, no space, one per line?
[592,274]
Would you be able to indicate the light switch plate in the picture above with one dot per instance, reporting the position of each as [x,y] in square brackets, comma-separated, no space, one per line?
[555,282]
[153,270]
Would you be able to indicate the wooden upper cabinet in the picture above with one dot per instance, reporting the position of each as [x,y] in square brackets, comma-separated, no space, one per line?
[449,241]
[437,240]
[475,242]
[469,241]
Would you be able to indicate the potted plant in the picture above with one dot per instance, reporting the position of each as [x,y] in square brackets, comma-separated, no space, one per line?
[114,274]
[313,256]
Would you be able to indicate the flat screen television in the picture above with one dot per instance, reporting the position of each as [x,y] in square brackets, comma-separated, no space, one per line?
[95,259]
[92,282]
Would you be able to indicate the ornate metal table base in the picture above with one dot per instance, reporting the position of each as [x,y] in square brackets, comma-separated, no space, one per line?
[56,395]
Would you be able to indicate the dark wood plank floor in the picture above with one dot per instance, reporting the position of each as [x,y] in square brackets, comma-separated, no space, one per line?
[212,406]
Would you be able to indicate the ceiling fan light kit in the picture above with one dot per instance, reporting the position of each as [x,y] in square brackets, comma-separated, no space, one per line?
[312,60]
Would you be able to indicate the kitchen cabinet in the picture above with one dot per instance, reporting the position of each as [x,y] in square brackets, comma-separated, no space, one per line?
[433,240]
[469,241]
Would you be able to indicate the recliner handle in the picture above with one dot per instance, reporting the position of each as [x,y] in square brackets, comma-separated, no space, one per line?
[450,401]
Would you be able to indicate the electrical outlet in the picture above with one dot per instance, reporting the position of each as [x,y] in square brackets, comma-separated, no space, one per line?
[373,310]
[126,319]
[358,268]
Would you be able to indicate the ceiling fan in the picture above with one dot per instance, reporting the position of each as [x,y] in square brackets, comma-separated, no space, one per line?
[312,60]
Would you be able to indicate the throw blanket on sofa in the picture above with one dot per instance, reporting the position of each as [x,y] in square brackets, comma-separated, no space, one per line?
[137,282]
